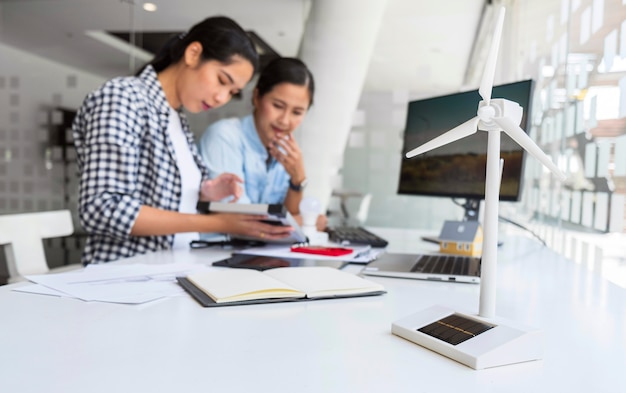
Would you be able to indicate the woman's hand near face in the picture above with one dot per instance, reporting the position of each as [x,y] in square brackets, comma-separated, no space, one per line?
[250,225]
[291,159]
[225,185]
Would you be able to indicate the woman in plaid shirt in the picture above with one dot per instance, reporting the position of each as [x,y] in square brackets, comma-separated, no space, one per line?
[140,172]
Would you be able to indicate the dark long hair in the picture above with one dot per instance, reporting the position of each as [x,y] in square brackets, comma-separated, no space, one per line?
[285,70]
[221,39]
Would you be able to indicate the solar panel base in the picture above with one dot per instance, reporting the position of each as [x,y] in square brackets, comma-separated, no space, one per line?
[476,342]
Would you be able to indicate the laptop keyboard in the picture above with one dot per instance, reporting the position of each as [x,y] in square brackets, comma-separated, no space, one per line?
[443,264]
[355,235]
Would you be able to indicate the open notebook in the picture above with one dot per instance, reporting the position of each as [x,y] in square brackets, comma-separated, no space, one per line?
[437,267]
[224,287]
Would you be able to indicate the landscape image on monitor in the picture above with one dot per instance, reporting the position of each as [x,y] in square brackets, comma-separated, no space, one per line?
[458,169]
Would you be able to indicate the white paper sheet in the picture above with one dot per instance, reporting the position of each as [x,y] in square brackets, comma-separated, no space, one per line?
[39,290]
[126,284]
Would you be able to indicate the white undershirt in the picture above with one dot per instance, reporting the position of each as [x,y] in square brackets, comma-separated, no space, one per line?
[190,177]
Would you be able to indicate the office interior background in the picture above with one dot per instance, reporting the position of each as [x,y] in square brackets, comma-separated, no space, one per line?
[370,58]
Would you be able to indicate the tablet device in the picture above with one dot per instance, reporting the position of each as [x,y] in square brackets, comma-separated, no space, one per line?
[276,214]
[262,262]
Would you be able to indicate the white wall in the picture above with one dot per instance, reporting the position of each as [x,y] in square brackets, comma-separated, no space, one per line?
[30,86]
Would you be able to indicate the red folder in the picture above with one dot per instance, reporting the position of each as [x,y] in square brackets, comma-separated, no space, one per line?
[321,250]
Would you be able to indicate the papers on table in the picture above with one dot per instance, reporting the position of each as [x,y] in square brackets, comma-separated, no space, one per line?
[126,284]
[141,283]
[39,290]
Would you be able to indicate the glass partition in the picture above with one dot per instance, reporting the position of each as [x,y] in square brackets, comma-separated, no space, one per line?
[573,51]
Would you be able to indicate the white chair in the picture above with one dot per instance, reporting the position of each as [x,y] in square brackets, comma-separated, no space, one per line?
[22,235]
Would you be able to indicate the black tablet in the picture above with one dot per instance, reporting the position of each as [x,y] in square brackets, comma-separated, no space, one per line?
[276,214]
[261,262]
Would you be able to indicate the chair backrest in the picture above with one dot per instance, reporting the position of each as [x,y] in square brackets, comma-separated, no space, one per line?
[22,235]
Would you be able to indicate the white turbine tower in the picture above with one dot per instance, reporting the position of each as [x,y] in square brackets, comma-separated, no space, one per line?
[501,343]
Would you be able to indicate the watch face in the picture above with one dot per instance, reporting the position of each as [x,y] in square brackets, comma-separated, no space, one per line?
[304,183]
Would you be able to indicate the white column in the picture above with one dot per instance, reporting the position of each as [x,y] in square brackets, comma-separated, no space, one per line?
[337,45]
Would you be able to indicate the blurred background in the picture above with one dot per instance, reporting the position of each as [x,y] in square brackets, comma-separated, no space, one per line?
[370,59]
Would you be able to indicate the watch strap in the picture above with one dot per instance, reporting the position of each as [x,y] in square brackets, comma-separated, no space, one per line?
[297,187]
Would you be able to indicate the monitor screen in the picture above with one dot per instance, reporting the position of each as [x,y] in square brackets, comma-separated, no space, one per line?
[457,170]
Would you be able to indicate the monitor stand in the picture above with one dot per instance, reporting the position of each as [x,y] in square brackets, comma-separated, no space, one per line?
[471,207]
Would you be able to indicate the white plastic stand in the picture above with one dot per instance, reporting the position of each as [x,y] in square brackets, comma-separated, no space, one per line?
[316,238]
[309,209]
[505,343]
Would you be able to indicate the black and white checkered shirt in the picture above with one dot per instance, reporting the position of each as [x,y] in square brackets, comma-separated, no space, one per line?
[126,160]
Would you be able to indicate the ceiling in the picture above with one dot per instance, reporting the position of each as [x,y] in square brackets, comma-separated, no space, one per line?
[423,46]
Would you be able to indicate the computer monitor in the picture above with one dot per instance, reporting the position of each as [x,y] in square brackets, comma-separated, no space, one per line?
[457,170]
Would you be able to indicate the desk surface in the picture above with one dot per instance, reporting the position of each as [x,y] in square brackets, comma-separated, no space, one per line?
[63,345]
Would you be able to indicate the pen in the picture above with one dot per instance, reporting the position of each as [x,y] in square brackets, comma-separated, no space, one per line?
[363,252]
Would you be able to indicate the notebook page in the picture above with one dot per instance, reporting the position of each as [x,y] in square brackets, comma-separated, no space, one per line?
[318,281]
[241,284]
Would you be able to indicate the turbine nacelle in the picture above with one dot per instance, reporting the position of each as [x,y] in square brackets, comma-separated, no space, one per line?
[498,107]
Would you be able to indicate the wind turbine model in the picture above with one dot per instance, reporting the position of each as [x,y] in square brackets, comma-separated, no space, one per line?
[481,341]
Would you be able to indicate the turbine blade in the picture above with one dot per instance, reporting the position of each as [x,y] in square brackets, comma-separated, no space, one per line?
[461,131]
[519,136]
[486,83]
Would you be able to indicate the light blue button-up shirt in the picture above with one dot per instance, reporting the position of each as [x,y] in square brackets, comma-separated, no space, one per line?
[233,145]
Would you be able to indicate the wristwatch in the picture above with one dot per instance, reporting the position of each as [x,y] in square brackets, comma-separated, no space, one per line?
[298,187]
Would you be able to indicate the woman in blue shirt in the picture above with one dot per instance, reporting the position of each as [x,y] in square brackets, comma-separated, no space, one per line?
[260,148]
[140,172]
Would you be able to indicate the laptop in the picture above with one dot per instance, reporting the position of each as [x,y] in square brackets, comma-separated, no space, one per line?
[435,267]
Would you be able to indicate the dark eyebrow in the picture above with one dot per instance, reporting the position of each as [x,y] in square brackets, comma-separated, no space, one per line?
[230,78]
[284,103]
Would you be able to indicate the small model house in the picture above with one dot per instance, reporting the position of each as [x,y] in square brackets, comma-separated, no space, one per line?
[461,238]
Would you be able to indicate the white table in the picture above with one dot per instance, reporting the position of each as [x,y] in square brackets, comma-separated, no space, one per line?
[63,345]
